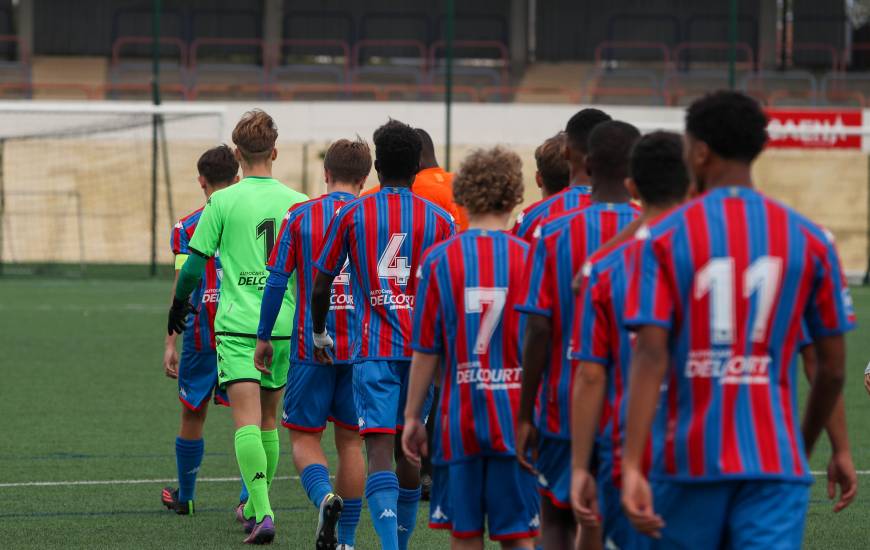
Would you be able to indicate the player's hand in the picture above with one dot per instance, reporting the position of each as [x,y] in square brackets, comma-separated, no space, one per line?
[584,499]
[527,445]
[170,361]
[867,381]
[841,471]
[322,342]
[638,504]
[263,356]
[178,315]
[415,442]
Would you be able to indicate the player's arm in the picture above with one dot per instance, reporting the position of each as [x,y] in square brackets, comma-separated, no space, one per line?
[170,351]
[536,350]
[332,257]
[841,468]
[427,343]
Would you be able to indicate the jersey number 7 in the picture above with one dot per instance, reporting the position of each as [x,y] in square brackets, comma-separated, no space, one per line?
[475,298]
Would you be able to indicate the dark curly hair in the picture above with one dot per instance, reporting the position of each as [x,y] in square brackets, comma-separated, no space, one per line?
[580,126]
[610,146]
[489,180]
[658,170]
[732,125]
[218,165]
[397,151]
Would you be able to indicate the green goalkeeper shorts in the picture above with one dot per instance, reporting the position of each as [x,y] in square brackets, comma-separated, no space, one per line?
[236,362]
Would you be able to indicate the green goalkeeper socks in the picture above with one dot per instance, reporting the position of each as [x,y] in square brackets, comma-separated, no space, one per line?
[253,466]
[270,441]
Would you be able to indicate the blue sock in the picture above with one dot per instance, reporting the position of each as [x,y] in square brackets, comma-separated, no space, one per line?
[243,495]
[188,457]
[409,501]
[382,492]
[349,520]
[315,481]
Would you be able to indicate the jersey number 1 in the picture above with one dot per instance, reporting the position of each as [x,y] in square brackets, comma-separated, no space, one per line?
[475,298]
[266,229]
[716,278]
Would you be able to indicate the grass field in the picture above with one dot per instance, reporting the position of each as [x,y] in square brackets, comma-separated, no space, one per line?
[83,399]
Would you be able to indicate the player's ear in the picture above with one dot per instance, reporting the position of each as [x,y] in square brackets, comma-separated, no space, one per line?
[236,179]
[566,152]
[327,176]
[274,154]
[237,154]
[203,183]
[539,180]
[632,189]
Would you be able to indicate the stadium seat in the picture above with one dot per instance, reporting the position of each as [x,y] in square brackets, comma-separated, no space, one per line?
[319,25]
[794,87]
[136,21]
[649,27]
[311,61]
[624,87]
[713,27]
[389,62]
[225,23]
[397,25]
[228,68]
[475,26]
[703,66]
[130,71]
[476,63]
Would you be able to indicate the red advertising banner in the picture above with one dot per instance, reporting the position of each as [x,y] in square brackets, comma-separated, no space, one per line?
[814,129]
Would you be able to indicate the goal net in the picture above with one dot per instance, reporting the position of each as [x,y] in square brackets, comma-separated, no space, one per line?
[78,193]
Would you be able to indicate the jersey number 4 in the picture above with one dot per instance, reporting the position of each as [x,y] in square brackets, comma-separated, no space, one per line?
[391,265]
[716,278]
[475,299]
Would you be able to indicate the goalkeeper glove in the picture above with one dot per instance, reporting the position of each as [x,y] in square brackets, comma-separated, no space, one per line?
[178,315]
[323,340]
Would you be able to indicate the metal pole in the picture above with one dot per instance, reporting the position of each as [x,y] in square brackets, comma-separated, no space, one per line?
[448,99]
[732,48]
[782,35]
[155,124]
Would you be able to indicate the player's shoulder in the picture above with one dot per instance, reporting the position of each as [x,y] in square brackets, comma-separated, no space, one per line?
[190,219]
[434,207]
[808,226]
[292,194]
[559,222]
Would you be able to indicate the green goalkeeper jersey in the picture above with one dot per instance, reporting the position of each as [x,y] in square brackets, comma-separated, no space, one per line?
[242,222]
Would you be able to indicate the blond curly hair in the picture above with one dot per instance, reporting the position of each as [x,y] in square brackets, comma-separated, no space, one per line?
[489,180]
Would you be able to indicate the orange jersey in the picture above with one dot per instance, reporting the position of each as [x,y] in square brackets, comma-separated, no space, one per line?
[436,186]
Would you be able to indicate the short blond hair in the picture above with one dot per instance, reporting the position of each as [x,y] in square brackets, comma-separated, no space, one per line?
[255,136]
[489,180]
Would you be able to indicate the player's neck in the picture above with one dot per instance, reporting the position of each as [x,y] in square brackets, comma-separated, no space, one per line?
[605,191]
[579,176]
[490,221]
[339,187]
[729,174]
[654,211]
[257,171]
[397,183]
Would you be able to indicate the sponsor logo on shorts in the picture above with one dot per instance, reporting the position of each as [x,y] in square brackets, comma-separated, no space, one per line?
[360,422]
[543,480]
[535,522]
[439,515]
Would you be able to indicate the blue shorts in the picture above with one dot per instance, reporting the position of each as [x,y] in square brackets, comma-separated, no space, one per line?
[731,514]
[496,490]
[439,505]
[316,394]
[379,390]
[617,529]
[554,470]
[197,379]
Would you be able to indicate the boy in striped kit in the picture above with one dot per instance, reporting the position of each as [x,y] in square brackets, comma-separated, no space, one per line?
[465,324]
[318,392]
[561,247]
[382,236]
[718,293]
[197,372]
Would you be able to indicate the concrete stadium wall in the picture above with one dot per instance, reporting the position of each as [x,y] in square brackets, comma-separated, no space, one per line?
[110,178]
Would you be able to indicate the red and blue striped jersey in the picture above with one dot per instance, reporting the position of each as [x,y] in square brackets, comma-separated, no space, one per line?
[731,275]
[563,245]
[598,335]
[199,334]
[383,237]
[578,196]
[468,289]
[296,249]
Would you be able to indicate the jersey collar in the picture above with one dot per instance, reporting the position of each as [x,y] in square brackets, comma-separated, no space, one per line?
[732,191]
[342,196]
[405,190]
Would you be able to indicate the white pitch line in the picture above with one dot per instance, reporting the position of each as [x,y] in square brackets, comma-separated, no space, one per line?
[200,480]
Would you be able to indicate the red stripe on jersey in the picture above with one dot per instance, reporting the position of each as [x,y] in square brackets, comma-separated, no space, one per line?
[487,279]
[699,317]
[470,444]
[370,208]
[735,216]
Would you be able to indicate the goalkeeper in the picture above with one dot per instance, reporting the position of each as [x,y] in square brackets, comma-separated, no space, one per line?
[241,222]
